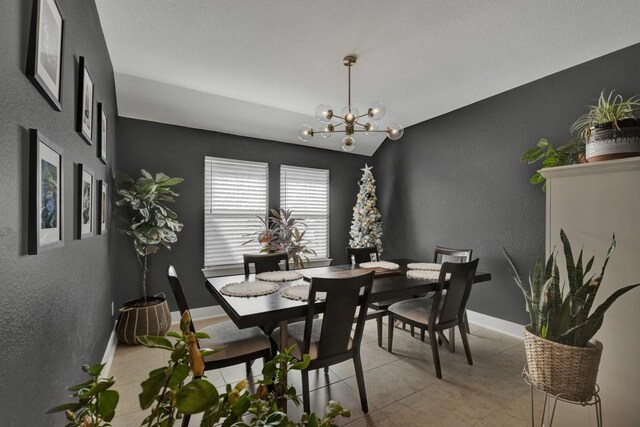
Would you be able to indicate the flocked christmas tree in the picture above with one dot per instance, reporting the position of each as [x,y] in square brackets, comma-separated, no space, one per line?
[366,226]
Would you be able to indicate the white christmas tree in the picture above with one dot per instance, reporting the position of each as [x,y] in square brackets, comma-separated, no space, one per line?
[366,226]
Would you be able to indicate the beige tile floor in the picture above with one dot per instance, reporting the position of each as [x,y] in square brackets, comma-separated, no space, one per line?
[402,387]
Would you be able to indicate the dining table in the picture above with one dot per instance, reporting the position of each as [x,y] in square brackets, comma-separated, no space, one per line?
[265,311]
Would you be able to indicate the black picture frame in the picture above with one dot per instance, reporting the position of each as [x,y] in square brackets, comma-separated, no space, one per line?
[46,48]
[102,203]
[103,127]
[85,208]
[46,199]
[84,107]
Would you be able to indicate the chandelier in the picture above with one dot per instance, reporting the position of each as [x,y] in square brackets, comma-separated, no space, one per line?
[350,121]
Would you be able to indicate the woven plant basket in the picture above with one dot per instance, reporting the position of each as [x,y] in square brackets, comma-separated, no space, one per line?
[140,317]
[562,370]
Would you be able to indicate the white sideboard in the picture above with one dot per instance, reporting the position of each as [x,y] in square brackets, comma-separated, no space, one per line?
[591,202]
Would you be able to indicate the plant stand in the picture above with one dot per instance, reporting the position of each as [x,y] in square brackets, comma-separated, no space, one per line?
[552,399]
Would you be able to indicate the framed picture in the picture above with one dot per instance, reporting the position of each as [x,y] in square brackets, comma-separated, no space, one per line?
[86,191]
[44,63]
[102,133]
[103,205]
[85,103]
[45,195]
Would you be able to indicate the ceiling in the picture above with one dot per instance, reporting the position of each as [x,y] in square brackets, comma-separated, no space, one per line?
[260,68]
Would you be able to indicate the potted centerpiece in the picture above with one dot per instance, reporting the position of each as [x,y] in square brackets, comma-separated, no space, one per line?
[152,225]
[562,356]
[610,129]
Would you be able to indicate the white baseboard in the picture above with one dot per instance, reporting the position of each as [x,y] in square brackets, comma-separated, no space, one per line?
[109,352]
[200,313]
[493,323]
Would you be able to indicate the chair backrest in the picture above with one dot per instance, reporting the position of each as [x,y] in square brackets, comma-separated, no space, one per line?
[266,262]
[442,254]
[361,255]
[178,293]
[343,297]
[451,304]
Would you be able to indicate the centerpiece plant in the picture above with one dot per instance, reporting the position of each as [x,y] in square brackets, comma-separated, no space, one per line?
[151,225]
[560,310]
[281,232]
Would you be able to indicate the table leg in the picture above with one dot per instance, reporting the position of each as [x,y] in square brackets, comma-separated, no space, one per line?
[284,341]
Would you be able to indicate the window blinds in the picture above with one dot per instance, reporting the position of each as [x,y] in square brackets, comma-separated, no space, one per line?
[305,191]
[235,192]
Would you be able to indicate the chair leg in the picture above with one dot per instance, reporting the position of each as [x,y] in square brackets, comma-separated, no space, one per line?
[379,325]
[434,350]
[452,340]
[326,370]
[357,364]
[248,364]
[305,391]
[390,333]
[422,331]
[413,331]
[466,322]
[465,343]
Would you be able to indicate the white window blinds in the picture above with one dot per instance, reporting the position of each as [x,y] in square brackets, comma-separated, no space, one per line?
[235,192]
[305,191]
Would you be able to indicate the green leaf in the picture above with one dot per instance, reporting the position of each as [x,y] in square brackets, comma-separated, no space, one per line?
[93,370]
[97,388]
[241,406]
[301,365]
[179,374]
[571,268]
[107,402]
[196,396]
[151,387]
[155,342]
[73,407]
[80,386]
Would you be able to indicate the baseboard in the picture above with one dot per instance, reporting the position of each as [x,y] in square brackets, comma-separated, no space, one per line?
[109,352]
[499,325]
[200,313]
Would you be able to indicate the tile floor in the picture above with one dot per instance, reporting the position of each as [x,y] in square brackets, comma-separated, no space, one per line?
[402,387]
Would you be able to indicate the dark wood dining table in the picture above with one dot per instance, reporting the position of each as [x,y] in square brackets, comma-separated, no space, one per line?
[272,309]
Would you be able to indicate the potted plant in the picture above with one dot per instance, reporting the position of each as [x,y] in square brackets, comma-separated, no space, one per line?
[562,356]
[568,154]
[610,129]
[281,233]
[152,225]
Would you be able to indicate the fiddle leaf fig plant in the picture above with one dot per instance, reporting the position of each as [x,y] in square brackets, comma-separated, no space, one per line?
[152,224]
[559,316]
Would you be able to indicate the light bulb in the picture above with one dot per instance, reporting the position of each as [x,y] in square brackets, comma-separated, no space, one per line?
[348,144]
[349,117]
[326,130]
[324,113]
[376,110]
[370,128]
[305,133]
[395,131]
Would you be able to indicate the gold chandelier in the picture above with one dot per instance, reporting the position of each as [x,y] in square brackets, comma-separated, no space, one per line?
[350,120]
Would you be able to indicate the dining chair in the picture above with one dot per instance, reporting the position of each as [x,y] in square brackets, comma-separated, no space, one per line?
[377,310]
[442,254]
[444,311]
[265,262]
[328,340]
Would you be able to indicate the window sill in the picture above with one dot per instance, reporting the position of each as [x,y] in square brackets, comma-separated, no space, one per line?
[231,270]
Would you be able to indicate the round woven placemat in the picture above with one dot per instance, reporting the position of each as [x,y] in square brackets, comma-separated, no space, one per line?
[426,275]
[380,264]
[301,293]
[279,276]
[431,266]
[249,289]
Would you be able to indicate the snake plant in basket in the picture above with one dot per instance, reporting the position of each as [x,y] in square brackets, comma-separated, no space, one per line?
[562,356]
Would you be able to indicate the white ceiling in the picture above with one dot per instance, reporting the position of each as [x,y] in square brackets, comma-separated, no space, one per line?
[260,68]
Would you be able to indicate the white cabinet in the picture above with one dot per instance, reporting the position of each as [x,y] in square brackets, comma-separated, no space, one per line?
[591,202]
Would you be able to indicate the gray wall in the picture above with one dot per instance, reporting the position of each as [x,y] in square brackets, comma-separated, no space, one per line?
[180,151]
[456,180]
[55,308]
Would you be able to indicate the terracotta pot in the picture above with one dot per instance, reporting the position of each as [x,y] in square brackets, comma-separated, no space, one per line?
[143,316]
[607,142]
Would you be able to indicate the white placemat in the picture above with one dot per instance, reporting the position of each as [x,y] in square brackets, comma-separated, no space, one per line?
[279,276]
[301,293]
[424,266]
[249,289]
[426,275]
[380,264]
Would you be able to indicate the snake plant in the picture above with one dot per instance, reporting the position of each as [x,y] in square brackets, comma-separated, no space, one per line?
[560,316]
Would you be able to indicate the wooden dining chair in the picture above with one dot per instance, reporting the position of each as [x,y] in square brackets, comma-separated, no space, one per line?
[265,262]
[442,254]
[328,340]
[360,255]
[444,311]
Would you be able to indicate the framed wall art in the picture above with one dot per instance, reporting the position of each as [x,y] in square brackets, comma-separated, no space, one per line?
[103,205]
[85,207]
[44,63]
[45,195]
[84,119]
[102,133]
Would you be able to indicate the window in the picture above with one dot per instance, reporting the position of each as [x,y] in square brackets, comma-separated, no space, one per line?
[235,192]
[305,191]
